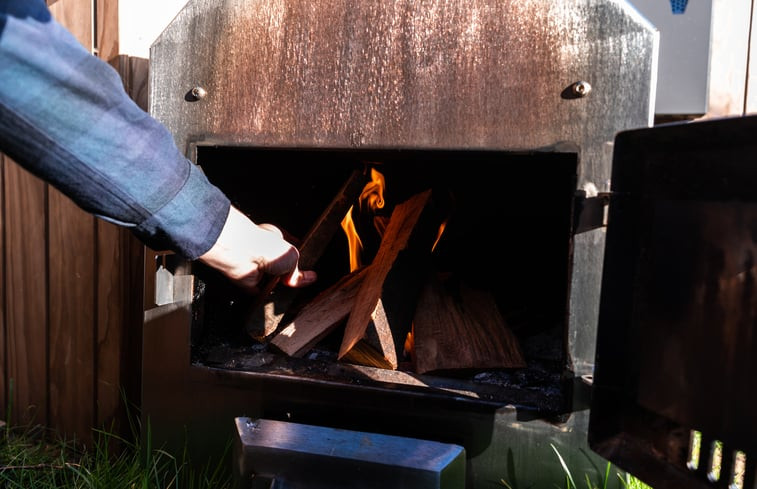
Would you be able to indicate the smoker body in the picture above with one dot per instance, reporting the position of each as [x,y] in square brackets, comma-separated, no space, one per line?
[260,92]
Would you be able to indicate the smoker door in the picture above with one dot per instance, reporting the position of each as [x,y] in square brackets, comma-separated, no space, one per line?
[674,387]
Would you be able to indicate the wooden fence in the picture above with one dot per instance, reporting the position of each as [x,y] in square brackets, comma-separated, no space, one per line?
[71,288]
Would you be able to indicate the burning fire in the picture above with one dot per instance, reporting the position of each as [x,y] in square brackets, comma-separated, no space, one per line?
[353,240]
[439,235]
[409,345]
[371,199]
[372,196]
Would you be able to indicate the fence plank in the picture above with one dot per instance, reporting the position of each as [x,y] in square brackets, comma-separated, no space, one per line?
[76,16]
[25,294]
[72,260]
[72,318]
[119,302]
[112,301]
[106,29]
[110,310]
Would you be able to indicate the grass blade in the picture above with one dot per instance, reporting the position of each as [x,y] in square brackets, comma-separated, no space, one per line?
[504,483]
[607,476]
[572,483]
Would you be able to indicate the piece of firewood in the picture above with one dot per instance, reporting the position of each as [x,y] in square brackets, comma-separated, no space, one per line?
[320,316]
[369,338]
[272,302]
[457,326]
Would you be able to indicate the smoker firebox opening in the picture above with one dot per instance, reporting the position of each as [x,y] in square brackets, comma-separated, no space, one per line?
[508,232]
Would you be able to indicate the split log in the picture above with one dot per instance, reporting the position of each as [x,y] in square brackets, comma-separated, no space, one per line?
[272,303]
[375,324]
[320,316]
[459,327]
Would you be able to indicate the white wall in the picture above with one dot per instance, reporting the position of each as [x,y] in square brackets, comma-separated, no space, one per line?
[703,55]
[142,21]
[729,57]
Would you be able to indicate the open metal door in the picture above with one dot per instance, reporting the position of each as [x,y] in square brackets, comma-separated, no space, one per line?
[675,383]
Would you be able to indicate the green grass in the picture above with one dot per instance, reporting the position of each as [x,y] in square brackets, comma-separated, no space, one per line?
[626,480]
[35,457]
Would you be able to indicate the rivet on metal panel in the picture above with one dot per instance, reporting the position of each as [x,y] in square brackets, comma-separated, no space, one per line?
[196,93]
[581,88]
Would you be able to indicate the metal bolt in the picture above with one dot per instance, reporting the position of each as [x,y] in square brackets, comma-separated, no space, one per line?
[198,93]
[581,88]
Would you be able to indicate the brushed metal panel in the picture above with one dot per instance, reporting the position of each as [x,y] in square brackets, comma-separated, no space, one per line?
[436,74]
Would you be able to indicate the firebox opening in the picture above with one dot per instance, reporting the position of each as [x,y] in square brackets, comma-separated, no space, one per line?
[507,231]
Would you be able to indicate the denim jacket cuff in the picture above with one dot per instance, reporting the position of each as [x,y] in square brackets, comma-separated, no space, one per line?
[195,216]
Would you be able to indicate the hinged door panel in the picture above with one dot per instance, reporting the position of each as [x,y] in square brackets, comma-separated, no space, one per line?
[674,386]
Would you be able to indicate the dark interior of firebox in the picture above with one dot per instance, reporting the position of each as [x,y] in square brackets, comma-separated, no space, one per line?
[508,230]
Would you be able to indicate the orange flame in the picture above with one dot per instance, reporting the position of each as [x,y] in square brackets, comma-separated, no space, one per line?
[371,198]
[409,346]
[439,235]
[354,244]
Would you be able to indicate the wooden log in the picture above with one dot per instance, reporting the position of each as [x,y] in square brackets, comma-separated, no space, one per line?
[459,327]
[369,338]
[272,303]
[320,316]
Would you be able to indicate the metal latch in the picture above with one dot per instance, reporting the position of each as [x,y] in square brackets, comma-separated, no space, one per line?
[173,279]
[590,212]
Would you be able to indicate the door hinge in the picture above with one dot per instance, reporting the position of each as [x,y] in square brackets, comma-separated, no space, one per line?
[590,212]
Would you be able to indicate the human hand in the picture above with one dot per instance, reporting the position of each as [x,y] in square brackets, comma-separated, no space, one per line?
[245,252]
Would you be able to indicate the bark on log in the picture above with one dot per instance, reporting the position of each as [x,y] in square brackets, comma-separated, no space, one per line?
[459,327]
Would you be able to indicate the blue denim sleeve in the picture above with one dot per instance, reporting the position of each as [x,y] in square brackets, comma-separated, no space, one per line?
[65,117]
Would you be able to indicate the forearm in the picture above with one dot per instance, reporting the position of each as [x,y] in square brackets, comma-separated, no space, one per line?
[65,117]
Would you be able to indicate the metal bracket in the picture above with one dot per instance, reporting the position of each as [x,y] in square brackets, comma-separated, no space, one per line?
[173,279]
[590,212]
